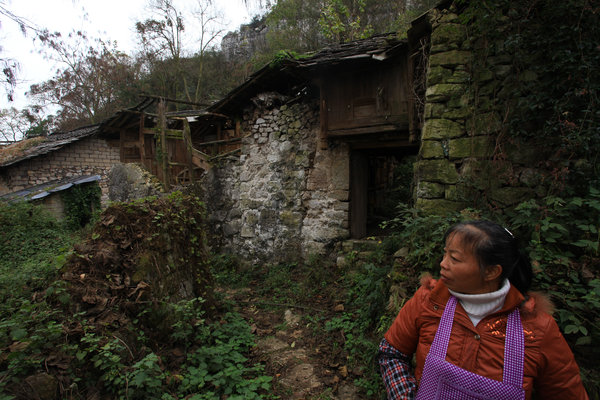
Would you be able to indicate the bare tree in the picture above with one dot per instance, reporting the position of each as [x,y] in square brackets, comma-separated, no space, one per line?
[211,27]
[10,67]
[91,82]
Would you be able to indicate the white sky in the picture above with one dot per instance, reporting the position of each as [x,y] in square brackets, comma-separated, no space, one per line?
[108,19]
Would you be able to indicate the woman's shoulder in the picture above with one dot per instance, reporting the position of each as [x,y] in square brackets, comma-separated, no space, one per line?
[427,286]
[536,315]
[537,305]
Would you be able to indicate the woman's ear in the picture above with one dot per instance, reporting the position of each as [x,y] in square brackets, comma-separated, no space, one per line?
[493,272]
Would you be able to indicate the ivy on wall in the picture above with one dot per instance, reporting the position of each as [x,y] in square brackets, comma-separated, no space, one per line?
[550,97]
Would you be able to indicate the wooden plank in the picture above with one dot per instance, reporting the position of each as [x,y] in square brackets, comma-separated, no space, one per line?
[237,139]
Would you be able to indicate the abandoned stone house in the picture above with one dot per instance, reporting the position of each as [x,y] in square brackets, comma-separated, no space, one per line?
[305,153]
[39,162]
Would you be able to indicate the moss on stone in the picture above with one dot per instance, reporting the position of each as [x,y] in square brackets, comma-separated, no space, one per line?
[440,171]
[431,149]
[442,129]
[477,146]
[439,206]
[449,33]
[444,91]
[430,190]
[438,74]
[450,58]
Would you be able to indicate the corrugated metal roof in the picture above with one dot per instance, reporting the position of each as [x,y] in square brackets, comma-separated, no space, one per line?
[45,189]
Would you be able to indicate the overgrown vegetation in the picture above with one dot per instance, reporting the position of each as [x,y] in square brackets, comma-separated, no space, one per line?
[92,326]
[33,247]
[549,101]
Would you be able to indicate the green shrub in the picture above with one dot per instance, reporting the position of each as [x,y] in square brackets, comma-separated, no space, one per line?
[33,246]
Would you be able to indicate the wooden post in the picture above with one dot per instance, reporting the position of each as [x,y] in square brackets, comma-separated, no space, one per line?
[322,140]
[187,140]
[163,143]
[142,141]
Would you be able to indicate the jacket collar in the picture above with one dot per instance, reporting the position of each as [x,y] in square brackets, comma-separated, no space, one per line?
[440,296]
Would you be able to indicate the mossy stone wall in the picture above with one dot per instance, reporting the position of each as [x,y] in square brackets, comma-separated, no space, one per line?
[458,164]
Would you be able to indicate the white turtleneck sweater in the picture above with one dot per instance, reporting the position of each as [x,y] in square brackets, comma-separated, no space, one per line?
[478,306]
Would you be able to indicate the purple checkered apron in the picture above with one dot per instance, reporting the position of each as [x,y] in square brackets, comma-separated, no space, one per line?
[443,380]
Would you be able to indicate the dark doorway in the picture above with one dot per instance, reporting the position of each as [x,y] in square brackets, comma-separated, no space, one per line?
[380,179]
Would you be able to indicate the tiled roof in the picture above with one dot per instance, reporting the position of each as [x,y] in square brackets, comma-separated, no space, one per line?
[29,148]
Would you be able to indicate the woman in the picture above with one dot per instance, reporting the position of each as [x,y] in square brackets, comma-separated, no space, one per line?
[493,340]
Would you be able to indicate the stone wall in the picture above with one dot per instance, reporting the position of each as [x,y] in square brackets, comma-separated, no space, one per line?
[459,162]
[88,156]
[285,197]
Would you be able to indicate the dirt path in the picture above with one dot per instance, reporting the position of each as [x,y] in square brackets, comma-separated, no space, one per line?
[295,351]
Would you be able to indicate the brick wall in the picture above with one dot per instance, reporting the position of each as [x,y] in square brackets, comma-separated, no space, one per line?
[88,156]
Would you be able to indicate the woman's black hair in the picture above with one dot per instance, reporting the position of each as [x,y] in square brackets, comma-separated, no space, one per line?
[494,245]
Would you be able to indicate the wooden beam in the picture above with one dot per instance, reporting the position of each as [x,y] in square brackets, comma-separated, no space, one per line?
[367,130]
[224,141]
[166,99]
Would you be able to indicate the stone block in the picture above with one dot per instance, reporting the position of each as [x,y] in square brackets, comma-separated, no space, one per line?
[440,171]
[341,206]
[459,192]
[438,74]
[445,91]
[442,129]
[449,33]
[430,190]
[431,149]
[459,77]
[476,146]
[439,206]
[448,17]
[444,47]
[247,232]
[342,195]
[231,228]
[450,58]
[291,219]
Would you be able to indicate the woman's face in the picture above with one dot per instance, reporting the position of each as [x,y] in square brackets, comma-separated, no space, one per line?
[460,269]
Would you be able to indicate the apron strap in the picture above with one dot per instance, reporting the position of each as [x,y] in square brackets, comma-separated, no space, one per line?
[514,350]
[439,346]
